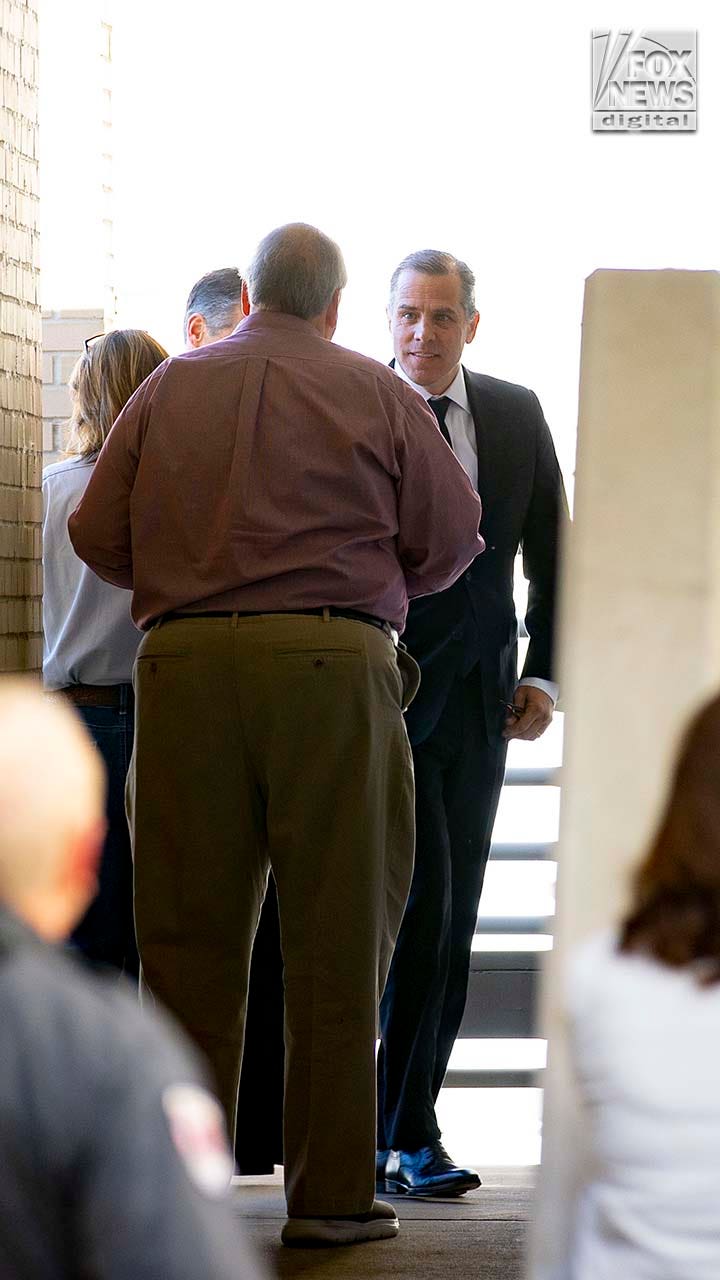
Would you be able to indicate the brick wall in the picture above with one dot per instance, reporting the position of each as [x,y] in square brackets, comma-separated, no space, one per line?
[63,337]
[20,410]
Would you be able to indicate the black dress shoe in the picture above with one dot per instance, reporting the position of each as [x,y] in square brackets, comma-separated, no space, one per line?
[427,1172]
[381,1156]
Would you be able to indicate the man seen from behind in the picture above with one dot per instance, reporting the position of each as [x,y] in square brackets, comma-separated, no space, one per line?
[273,500]
[213,308]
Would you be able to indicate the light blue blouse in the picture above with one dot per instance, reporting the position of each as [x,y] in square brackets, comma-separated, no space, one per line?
[89,636]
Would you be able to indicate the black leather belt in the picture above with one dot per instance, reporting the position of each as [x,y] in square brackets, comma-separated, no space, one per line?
[354,615]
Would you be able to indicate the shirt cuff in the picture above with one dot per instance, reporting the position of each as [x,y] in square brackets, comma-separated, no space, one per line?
[548,686]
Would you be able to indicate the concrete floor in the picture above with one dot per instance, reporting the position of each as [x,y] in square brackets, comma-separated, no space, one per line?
[480,1236]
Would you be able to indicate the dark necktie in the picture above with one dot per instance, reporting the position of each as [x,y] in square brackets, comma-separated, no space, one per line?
[439,406]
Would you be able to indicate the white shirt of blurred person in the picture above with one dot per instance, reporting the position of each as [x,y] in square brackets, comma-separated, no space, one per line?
[90,640]
[643,1007]
[213,308]
[113,1153]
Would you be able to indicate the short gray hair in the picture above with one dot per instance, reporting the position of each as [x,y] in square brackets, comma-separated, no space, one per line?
[296,269]
[216,297]
[433,262]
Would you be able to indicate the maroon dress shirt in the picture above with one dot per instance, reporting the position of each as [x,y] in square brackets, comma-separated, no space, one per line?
[275,470]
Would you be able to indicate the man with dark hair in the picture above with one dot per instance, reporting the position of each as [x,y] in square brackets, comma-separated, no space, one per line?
[310,493]
[470,703]
[213,311]
[214,307]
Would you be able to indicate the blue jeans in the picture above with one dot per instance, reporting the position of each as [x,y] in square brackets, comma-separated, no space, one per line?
[106,933]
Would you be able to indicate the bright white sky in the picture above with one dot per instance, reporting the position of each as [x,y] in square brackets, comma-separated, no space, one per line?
[391,126]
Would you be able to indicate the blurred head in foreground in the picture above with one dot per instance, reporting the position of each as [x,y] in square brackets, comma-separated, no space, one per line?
[51,810]
[675,914]
[93,1088]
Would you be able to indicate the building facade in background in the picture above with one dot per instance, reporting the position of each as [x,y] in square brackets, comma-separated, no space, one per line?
[20,337]
[63,339]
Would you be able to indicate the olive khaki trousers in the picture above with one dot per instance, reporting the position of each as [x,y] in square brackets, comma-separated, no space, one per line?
[277,741]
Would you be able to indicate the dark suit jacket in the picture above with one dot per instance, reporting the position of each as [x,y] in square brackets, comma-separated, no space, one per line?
[473,623]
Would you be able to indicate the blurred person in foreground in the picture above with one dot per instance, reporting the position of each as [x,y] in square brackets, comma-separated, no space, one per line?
[90,640]
[310,494]
[113,1154]
[213,310]
[643,1004]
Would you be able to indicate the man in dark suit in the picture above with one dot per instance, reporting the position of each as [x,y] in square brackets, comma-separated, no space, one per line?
[469,705]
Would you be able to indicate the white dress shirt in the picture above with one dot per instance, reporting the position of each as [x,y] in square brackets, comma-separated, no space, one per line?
[461,429]
[645,1043]
[89,636]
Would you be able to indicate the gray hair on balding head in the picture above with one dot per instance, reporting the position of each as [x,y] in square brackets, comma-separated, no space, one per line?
[296,269]
[433,262]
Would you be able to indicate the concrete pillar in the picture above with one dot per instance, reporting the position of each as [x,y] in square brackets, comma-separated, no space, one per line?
[640,627]
[20,414]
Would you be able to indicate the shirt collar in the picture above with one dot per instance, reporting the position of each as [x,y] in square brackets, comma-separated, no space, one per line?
[457,391]
[14,931]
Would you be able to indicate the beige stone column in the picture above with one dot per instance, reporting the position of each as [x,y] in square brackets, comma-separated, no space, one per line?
[640,625]
[20,414]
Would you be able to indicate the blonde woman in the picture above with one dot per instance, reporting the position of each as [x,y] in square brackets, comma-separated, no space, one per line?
[90,640]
